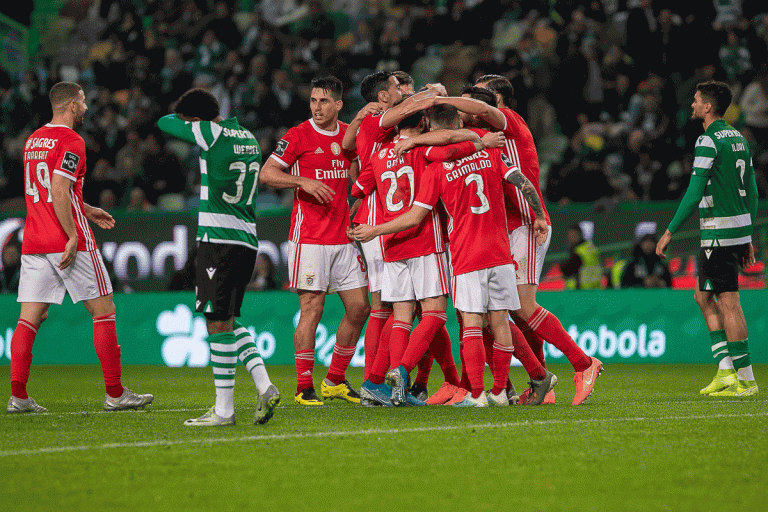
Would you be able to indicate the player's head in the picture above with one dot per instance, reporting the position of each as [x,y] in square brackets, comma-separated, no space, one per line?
[197,104]
[68,100]
[413,121]
[443,117]
[406,82]
[711,98]
[382,87]
[480,94]
[325,101]
[500,86]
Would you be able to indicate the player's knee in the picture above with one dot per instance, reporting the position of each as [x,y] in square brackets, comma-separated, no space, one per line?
[358,313]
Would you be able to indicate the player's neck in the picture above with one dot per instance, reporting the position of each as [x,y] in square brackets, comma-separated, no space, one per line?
[328,126]
[708,120]
[62,120]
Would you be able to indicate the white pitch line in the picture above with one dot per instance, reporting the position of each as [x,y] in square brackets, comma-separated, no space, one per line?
[367,432]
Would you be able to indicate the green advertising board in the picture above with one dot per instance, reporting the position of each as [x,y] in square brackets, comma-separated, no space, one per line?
[622,326]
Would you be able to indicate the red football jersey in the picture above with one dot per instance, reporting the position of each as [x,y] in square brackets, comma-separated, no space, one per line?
[317,154]
[521,150]
[370,136]
[471,190]
[53,149]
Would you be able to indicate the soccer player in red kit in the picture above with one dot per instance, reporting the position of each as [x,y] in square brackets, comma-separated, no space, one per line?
[534,321]
[322,260]
[415,266]
[59,253]
[483,274]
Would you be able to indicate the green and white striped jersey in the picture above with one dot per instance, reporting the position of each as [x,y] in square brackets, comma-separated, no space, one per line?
[230,162]
[722,155]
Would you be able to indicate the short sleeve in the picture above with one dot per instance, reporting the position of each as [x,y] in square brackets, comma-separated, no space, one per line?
[71,162]
[288,148]
[429,187]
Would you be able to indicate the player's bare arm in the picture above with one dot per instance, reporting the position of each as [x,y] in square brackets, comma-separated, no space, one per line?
[486,112]
[62,205]
[411,218]
[274,175]
[529,193]
[661,245]
[350,137]
[416,103]
[98,216]
[354,170]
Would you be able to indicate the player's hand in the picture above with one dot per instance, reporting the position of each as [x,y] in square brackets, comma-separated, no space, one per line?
[748,258]
[661,246]
[70,251]
[438,88]
[364,233]
[355,206]
[493,139]
[541,229]
[403,146]
[317,189]
[100,217]
[373,107]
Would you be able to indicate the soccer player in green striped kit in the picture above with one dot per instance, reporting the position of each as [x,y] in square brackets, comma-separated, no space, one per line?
[230,162]
[724,188]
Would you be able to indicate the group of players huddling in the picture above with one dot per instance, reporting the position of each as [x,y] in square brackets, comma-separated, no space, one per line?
[449,203]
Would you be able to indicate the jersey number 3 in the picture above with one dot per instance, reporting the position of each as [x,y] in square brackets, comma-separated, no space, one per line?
[253,167]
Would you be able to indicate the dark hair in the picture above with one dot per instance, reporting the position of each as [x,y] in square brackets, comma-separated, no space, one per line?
[478,93]
[413,120]
[442,116]
[197,103]
[373,83]
[717,94]
[403,78]
[63,93]
[499,84]
[331,84]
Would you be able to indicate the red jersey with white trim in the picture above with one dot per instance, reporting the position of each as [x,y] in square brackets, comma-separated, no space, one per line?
[471,190]
[317,154]
[521,150]
[370,136]
[53,149]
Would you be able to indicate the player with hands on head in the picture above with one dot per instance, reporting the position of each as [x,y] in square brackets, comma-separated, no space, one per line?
[59,253]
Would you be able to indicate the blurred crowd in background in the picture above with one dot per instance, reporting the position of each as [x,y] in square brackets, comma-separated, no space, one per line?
[605,85]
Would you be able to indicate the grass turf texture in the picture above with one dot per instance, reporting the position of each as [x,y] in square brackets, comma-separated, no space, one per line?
[645,440]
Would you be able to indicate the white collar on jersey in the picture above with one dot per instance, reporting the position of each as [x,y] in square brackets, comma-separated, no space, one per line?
[324,132]
[49,125]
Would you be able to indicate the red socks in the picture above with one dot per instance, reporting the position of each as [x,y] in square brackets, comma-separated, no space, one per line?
[425,367]
[398,342]
[546,325]
[441,348]
[474,355]
[108,351]
[534,341]
[421,338]
[305,360]
[524,354]
[373,331]
[21,357]
[339,363]
[502,356]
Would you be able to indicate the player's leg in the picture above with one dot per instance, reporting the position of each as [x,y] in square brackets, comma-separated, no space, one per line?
[248,354]
[726,374]
[729,305]
[381,312]
[474,356]
[432,321]
[502,356]
[311,305]
[32,315]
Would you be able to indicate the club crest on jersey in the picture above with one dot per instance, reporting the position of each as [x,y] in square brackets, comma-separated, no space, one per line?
[382,154]
[282,145]
[448,165]
[335,148]
[70,161]
[310,278]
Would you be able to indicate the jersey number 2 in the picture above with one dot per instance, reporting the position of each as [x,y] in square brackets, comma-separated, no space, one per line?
[742,166]
[43,178]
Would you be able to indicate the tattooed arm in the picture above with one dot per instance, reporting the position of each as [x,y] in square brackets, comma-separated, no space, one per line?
[529,192]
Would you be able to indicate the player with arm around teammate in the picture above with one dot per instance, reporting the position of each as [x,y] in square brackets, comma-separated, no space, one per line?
[59,253]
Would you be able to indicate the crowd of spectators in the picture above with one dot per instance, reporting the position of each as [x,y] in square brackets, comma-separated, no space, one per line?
[605,85]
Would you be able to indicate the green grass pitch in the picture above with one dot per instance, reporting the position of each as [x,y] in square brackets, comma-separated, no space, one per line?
[645,440]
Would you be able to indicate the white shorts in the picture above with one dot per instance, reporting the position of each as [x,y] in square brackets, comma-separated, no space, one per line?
[415,278]
[528,255]
[374,263]
[487,289]
[41,279]
[326,268]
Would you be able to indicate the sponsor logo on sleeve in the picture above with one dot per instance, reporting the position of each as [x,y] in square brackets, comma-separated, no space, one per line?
[282,145]
[506,160]
[70,162]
